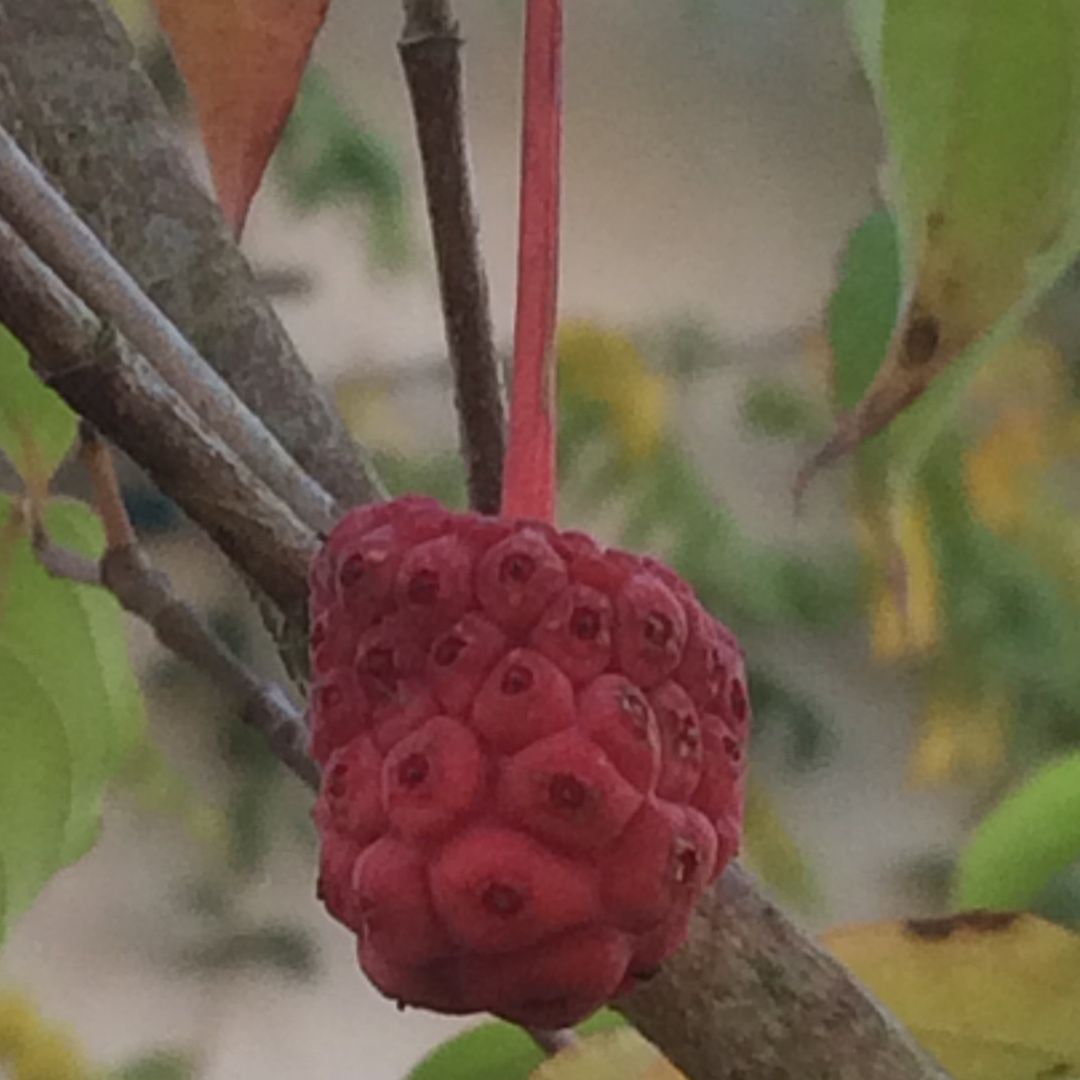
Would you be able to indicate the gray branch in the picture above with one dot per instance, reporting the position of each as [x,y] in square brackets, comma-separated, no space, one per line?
[430,49]
[105,380]
[56,234]
[749,997]
[75,98]
[146,592]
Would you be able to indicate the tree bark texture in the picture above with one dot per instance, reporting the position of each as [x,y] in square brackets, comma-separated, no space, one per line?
[75,98]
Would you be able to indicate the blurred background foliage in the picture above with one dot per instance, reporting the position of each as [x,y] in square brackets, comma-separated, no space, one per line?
[968,584]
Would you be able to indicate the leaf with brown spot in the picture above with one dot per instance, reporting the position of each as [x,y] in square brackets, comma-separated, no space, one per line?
[993,995]
[981,103]
[243,61]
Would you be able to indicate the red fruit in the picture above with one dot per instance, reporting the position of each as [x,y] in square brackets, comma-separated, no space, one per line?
[680,742]
[366,565]
[400,711]
[337,858]
[434,583]
[333,641]
[518,578]
[617,716]
[437,986]
[397,917]
[386,655]
[554,984]
[498,890]
[523,699]
[664,856]
[350,802]
[461,659]
[738,710]
[717,794]
[340,712]
[418,517]
[705,665]
[564,790]
[575,633]
[533,754]
[650,632]
[431,778]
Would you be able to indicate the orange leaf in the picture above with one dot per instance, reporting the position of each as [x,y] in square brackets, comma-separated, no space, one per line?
[243,61]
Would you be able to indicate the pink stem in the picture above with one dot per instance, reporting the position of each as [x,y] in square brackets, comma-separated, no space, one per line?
[529,476]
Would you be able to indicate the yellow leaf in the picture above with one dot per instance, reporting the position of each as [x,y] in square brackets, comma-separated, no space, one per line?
[773,853]
[904,599]
[960,737]
[621,1054]
[32,1048]
[605,366]
[1004,467]
[992,996]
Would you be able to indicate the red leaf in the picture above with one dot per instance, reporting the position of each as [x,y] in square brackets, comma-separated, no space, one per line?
[243,61]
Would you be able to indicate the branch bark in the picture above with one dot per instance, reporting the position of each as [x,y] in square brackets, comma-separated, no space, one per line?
[749,997]
[147,593]
[430,50]
[71,250]
[103,379]
[76,100]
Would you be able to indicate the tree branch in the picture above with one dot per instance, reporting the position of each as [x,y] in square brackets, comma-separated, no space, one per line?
[147,593]
[106,381]
[75,98]
[57,235]
[749,996]
[430,50]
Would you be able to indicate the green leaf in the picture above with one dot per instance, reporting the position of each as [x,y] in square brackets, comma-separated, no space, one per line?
[327,158]
[35,785]
[36,426]
[159,1065]
[74,708]
[289,950]
[1032,835]
[779,410]
[496,1051]
[863,307]
[981,104]
[78,528]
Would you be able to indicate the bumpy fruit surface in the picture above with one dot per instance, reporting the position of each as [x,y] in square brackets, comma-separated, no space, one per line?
[532,755]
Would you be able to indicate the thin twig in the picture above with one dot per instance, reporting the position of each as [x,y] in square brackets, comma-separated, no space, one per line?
[97,460]
[57,235]
[146,592]
[107,382]
[61,562]
[430,50]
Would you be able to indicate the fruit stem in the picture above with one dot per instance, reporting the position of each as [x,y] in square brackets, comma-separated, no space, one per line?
[529,476]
